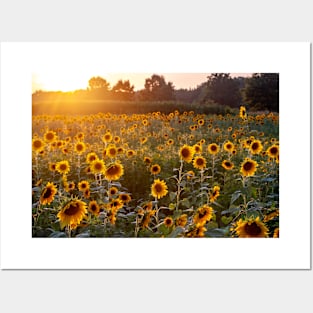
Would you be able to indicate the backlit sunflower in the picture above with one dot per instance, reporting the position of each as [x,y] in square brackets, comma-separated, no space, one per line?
[159,188]
[72,213]
[155,169]
[228,146]
[243,113]
[251,228]
[111,151]
[52,166]
[256,147]
[94,208]
[97,166]
[130,153]
[83,185]
[124,197]
[215,193]
[248,167]
[186,153]
[91,156]
[114,171]
[213,148]
[48,193]
[50,136]
[168,221]
[79,147]
[203,215]
[273,151]
[227,165]
[199,162]
[38,145]
[63,167]
[107,137]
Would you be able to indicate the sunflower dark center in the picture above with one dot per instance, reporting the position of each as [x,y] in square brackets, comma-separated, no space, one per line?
[253,229]
[112,170]
[63,167]
[37,143]
[50,136]
[158,187]
[228,146]
[247,166]
[227,164]
[47,193]
[185,153]
[79,147]
[200,161]
[93,208]
[72,209]
[98,166]
[255,146]
[213,148]
[274,150]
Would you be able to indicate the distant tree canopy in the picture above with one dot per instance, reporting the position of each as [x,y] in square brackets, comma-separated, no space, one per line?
[157,89]
[98,83]
[123,90]
[222,89]
[262,91]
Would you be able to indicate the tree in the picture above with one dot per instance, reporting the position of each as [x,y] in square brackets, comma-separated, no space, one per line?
[262,91]
[122,90]
[98,83]
[157,89]
[222,89]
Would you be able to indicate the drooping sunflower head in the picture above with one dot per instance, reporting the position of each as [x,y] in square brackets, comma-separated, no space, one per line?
[186,153]
[72,213]
[256,147]
[97,166]
[182,220]
[114,171]
[228,165]
[251,228]
[94,207]
[48,193]
[63,167]
[155,169]
[107,137]
[190,175]
[243,113]
[159,188]
[199,162]
[248,167]
[203,215]
[213,148]
[214,193]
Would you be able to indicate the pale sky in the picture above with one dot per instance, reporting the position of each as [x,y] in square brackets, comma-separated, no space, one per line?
[53,80]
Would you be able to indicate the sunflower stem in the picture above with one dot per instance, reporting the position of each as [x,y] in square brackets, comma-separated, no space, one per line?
[179,184]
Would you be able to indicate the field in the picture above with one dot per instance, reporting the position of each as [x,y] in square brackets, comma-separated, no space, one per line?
[181,174]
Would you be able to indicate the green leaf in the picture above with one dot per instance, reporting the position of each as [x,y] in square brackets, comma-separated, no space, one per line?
[217,232]
[231,210]
[177,231]
[235,196]
[172,195]
[185,202]
[58,234]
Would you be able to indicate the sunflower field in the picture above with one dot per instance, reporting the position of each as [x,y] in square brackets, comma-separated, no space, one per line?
[180,174]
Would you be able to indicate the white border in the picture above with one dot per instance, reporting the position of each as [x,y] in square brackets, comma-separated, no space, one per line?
[290,251]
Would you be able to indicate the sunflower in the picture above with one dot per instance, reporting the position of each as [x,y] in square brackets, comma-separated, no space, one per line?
[256,147]
[113,191]
[248,167]
[63,167]
[52,166]
[86,193]
[50,136]
[38,145]
[147,160]
[114,171]
[197,232]
[94,208]
[243,113]
[197,148]
[273,151]
[251,228]
[215,193]
[91,156]
[199,162]
[72,213]
[97,166]
[227,165]
[83,185]
[182,220]
[48,193]
[203,215]
[155,169]
[213,148]
[276,233]
[228,146]
[130,153]
[186,153]
[107,137]
[168,221]
[190,174]
[111,151]
[124,197]
[79,147]
[159,189]
[147,218]
[70,186]
[116,204]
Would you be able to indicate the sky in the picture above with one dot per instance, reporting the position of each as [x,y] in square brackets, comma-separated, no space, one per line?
[51,80]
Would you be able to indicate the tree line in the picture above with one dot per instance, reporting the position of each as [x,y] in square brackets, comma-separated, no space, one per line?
[259,92]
